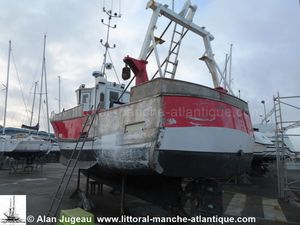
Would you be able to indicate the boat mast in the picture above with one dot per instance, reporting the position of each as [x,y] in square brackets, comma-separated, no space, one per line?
[13,208]
[44,76]
[33,102]
[59,99]
[6,88]
[42,80]
[107,46]
[230,65]
[225,70]
[46,91]
[10,209]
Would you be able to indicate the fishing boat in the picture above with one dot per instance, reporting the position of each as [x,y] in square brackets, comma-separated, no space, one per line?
[164,128]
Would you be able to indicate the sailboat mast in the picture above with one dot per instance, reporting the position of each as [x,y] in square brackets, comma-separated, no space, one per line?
[46,87]
[44,77]
[59,97]
[13,208]
[6,87]
[33,102]
[9,207]
[230,65]
[42,80]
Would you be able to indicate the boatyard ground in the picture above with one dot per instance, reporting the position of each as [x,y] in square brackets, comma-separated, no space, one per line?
[258,199]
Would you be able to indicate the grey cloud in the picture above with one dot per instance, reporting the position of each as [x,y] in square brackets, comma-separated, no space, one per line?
[265,35]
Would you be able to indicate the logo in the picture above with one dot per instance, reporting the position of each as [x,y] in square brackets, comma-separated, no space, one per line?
[13,209]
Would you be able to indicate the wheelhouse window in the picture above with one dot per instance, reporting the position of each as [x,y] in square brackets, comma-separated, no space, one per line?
[85,101]
[102,97]
[85,98]
[113,96]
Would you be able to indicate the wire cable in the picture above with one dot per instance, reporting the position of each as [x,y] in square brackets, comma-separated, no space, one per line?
[113,66]
[21,89]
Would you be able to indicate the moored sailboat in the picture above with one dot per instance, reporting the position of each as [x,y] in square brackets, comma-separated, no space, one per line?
[7,144]
[27,141]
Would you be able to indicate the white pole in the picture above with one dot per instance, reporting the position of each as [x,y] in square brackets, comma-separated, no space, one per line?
[59,99]
[42,80]
[13,209]
[225,71]
[230,64]
[9,206]
[148,37]
[6,88]
[212,65]
[46,88]
[32,108]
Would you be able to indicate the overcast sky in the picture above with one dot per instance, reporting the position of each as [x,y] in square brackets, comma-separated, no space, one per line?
[265,36]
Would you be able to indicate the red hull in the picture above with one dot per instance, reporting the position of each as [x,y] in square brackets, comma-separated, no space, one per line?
[182,111]
[68,129]
[178,111]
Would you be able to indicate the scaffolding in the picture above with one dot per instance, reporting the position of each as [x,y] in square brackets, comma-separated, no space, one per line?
[287,160]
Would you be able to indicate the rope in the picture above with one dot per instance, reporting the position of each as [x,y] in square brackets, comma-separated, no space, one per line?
[113,66]
[23,98]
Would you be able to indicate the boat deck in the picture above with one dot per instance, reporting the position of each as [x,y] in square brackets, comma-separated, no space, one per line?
[257,199]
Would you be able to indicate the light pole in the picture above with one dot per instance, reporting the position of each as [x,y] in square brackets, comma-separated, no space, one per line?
[263,102]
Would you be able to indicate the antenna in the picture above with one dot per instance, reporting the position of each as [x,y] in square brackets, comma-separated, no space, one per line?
[111,15]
